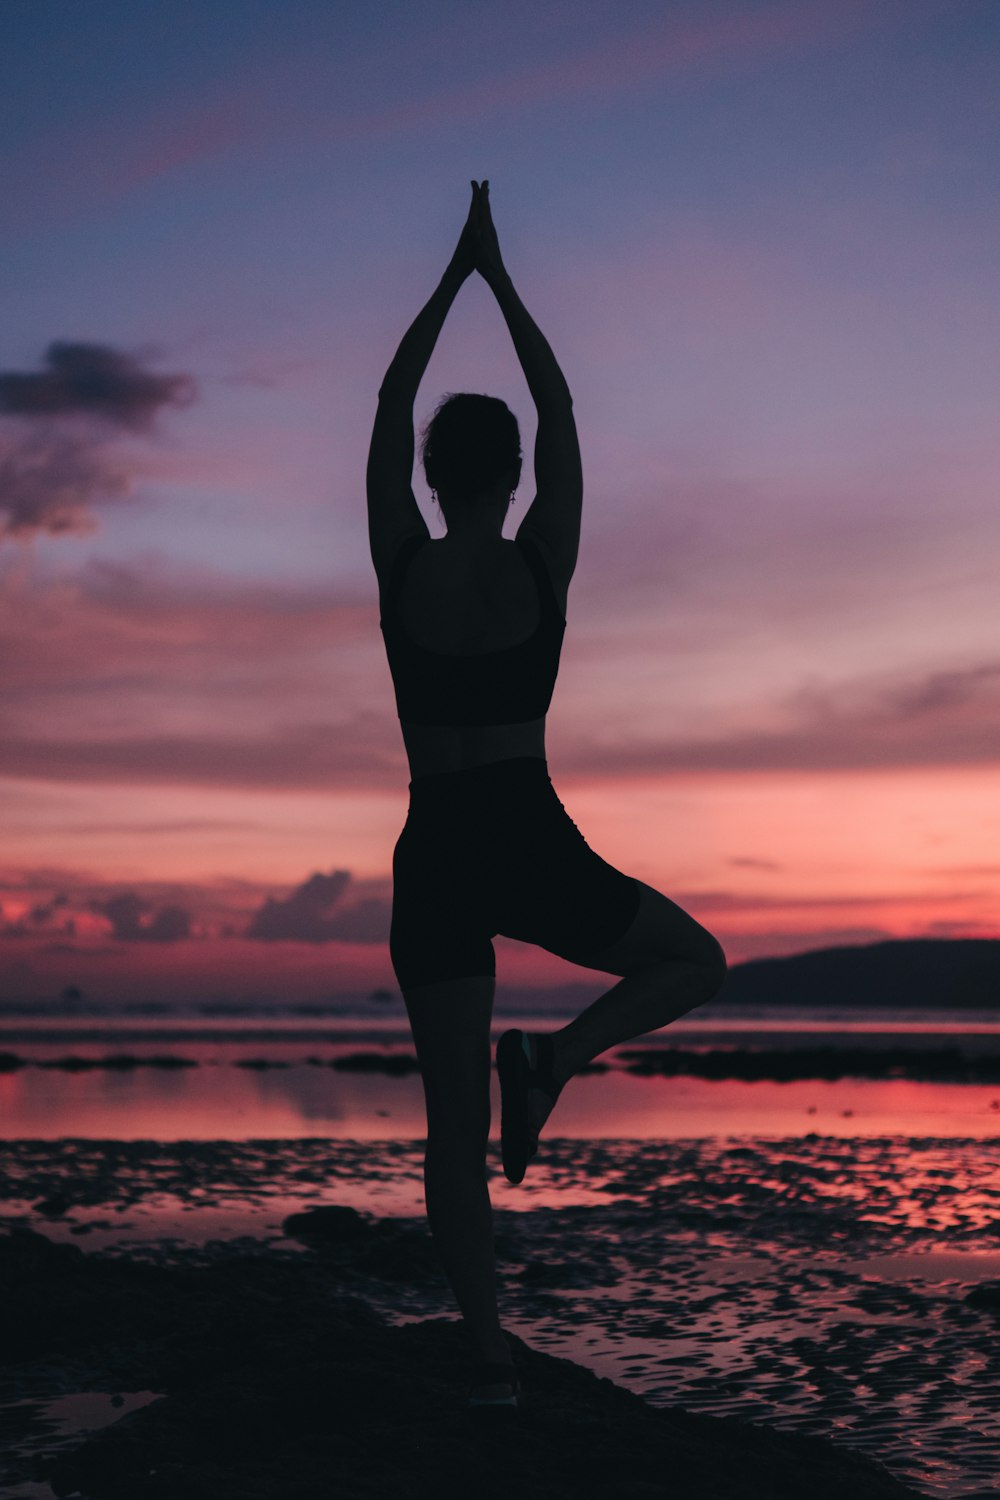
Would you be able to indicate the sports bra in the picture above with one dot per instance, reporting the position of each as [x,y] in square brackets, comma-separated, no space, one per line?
[509,686]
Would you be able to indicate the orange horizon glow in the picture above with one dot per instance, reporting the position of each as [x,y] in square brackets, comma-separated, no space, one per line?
[773,864]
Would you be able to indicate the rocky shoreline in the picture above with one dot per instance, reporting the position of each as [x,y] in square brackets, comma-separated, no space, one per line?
[264,1378]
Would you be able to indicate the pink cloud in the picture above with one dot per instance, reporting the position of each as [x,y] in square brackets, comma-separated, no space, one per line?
[237,939]
[206,681]
[684,45]
[300,757]
[744,902]
[207,130]
[71,633]
[945,718]
[122,674]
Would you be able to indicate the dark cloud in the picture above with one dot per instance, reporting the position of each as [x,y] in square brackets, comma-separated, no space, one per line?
[304,916]
[94,380]
[49,477]
[98,950]
[45,910]
[155,911]
[130,921]
[309,915]
[945,690]
[366,921]
[49,480]
[959,929]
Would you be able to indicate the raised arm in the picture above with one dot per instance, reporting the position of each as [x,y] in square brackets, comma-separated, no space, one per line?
[392,509]
[555,513]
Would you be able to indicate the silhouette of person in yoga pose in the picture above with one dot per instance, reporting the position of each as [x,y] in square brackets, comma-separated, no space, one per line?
[473,626]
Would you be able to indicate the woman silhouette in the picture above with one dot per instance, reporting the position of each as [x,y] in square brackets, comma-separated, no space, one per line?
[473,626]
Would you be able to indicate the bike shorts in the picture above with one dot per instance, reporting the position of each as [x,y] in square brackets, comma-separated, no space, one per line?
[491,850]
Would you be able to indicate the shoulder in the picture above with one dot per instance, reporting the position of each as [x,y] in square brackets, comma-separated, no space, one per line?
[394,551]
[559,568]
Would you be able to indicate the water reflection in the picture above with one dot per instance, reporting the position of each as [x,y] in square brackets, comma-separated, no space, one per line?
[289,1094]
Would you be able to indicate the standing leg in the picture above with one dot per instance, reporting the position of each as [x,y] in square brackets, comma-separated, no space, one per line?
[450,1021]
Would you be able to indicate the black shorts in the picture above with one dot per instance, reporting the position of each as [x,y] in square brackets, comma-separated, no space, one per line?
[490,850]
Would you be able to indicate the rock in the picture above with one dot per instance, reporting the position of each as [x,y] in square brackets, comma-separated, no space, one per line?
[276,1384]
[25,1251]
[332,1224]
[986,1296]
[52,1207]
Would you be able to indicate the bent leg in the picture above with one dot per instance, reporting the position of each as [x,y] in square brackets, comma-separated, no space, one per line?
[670,964]
[450,1020]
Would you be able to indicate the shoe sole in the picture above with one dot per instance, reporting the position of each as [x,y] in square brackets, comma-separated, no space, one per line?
[499,1376]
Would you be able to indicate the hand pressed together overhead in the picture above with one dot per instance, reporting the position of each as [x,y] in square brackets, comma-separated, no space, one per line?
[478,248]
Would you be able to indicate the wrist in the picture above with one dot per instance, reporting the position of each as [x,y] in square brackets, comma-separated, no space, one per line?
[454,275]
[499,281]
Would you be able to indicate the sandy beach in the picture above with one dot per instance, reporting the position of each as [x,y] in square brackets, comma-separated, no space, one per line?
[736,1318]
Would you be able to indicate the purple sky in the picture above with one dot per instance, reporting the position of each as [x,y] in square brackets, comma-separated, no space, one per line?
[761,239]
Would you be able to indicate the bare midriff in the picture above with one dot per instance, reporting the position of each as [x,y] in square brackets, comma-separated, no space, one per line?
[431,749]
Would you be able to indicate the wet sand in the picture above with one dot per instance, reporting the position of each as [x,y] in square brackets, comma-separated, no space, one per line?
[845,1291]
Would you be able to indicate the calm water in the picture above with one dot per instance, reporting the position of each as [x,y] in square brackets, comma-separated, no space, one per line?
[283,1077]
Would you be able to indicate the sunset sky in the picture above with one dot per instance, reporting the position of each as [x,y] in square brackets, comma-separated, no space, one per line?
[761,237]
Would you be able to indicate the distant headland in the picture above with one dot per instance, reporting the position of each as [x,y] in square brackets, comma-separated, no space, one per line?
[939,972]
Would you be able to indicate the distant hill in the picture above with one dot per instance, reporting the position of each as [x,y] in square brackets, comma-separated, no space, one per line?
[911,972]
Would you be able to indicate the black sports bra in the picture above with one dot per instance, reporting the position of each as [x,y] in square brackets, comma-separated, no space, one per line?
[509,686]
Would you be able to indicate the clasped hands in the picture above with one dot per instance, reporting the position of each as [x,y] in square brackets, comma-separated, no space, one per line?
[478,248]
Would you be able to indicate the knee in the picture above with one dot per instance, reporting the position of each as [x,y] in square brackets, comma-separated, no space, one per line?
[717,962]
[701,956]
[709,956]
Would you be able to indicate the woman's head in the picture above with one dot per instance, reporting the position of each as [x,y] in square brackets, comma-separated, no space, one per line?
[469,445]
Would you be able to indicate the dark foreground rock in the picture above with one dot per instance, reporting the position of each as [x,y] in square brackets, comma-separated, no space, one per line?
[277,1384]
